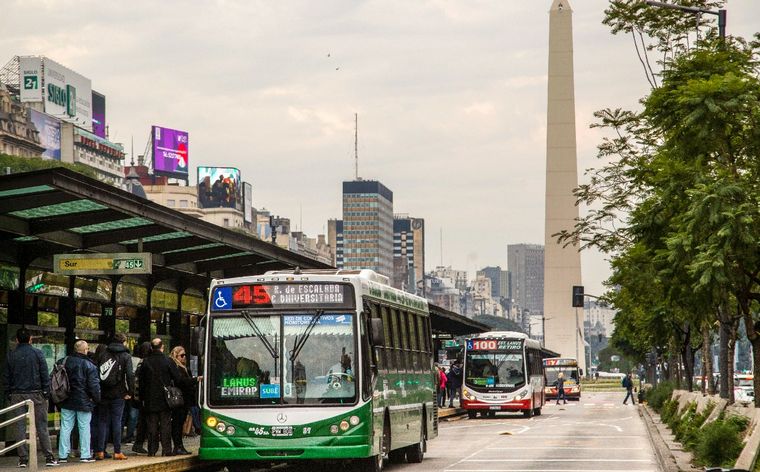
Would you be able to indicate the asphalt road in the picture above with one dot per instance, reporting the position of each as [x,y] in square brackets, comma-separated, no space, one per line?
[597,433]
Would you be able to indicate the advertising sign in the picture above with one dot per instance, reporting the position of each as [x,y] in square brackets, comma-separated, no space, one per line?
[30,78]
[219,187]
[99,114]
[170,151]
[68,95]
[50,134]
[247,202]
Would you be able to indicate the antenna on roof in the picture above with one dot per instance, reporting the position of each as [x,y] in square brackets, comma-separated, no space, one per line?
[356,145]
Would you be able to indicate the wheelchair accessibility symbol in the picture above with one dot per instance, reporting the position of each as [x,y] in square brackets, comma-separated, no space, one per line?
[222,299]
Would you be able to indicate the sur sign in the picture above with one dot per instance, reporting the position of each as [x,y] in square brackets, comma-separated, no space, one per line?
[119,263]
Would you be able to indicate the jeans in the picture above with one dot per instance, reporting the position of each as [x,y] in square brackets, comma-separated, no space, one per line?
[629,394]
[561,394]
[132,421]
[40,422]
[82,419]
[452,395]
[441,397]
[195,412]
[109,416]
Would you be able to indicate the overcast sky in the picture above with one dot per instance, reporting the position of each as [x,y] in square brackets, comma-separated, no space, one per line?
[451,97]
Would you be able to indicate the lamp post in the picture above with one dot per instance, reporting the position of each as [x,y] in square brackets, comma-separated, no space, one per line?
[721,14]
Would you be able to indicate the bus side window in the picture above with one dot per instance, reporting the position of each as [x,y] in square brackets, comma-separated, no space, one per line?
[412,321]
[390,356]
[397,345]
[424,355]
[379,350]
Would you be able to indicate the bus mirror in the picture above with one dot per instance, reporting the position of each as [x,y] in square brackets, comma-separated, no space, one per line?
[196,342]
[376,332]
[580,371]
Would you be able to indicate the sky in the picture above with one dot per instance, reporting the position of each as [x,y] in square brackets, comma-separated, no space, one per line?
[450,94]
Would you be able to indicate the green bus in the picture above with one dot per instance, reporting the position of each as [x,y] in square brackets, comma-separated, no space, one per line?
[315,365]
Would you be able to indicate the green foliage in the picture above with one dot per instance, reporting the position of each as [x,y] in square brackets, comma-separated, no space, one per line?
[657,396]
[719,443]
[498,323]
[27,164]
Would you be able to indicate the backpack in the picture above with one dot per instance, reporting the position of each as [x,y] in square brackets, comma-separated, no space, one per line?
[110,370]
[622,382]
[59,382]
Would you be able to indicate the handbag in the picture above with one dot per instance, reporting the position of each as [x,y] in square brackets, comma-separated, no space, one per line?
[174,397]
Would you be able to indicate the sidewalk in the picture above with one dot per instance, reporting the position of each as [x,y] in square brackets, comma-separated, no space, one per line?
[134,463]
[669,452]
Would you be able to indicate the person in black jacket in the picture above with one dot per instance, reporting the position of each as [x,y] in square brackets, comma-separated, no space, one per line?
[84,393]
[454,383]
[156,373]
[26,377]
[141,430]
[628,384]
[117,384]
[187,384]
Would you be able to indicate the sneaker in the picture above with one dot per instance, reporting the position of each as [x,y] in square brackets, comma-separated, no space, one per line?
[87,459]
[118,456]
[129,440]
[140,451]
[51,462]
[63,460]
[23,463]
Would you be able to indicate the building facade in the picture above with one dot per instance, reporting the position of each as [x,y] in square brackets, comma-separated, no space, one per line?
[525,263]
[368,226]
[408,253]
[18,135]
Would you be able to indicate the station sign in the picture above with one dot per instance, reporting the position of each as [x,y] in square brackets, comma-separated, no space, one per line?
[119,263]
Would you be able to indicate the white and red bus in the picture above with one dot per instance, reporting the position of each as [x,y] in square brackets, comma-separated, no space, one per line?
[568,366]
[503,371]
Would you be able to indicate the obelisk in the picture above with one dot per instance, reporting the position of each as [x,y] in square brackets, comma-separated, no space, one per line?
[562,265]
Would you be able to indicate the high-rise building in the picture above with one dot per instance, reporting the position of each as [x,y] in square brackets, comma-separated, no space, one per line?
[499,281]
[408,252]
[368,226]
[526,266]
[335,241]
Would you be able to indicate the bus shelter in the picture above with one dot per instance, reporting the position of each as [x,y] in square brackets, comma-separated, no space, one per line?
[166,260]
[447,326]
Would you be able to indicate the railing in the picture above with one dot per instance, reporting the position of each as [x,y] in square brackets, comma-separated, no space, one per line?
[32,441]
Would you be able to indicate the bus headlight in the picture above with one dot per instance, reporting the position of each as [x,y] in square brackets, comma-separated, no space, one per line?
[354,420]
[334,429]
[211,422]
[467,394]
[344,425]
[221,427]
[230,430]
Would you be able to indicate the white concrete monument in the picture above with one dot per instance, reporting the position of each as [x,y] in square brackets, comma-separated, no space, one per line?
[562,265]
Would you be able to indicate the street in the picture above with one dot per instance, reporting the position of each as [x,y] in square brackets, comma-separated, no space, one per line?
[598,433]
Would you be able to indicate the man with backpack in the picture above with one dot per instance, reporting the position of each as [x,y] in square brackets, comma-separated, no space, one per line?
[117,384]
[454,383]
[83,393]
[25,377]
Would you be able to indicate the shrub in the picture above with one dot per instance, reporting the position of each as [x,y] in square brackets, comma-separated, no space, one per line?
[657,396]
[669,410]
[719,443]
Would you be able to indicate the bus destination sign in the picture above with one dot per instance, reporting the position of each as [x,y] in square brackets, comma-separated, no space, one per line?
[494,344]
[121,263]
[560,362]
[310,295]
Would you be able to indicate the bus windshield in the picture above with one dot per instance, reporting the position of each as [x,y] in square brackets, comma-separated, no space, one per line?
[552,373]
[494,371]
[293,358]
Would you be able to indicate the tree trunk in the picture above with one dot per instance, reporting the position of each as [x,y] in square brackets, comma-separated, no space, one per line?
[731,349]
[708,386]
[687,353]
[722,359]
[754,339]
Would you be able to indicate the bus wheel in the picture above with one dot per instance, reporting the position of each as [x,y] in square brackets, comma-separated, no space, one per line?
[414,454]
[376,463]
[537,411]
[238,467]
[396,456]
[528,413]
[471,414]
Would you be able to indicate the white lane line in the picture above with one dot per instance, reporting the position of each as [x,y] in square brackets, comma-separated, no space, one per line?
[483,425]
[650,461]
[550,470]
[581,448]
[549,436]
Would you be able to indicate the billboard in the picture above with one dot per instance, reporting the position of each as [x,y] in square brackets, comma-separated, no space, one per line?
[50,133]
[99,114]
[247,202]
[68,95]
[219,187]
[30,78]
[170,151]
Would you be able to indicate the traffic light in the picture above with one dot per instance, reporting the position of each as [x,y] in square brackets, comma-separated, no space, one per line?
[577,296]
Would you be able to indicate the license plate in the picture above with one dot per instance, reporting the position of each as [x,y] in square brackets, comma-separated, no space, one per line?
[494,408]
[282,431]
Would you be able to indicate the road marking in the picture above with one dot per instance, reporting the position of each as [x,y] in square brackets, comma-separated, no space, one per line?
[548,436]
[567,447]
[550,470]
[650,461]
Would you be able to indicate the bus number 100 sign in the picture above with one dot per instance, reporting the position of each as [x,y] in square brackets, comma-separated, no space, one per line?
[484,345]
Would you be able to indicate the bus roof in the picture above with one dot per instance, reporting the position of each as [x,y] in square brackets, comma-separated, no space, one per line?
[501,334]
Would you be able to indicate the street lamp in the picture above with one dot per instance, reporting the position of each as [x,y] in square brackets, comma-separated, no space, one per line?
[721,14]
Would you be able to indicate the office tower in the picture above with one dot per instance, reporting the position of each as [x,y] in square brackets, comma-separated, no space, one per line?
[525,263]
[408,253]
[368,226]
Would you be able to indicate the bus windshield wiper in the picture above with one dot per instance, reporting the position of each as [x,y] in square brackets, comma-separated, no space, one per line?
[247,317]
[300,342]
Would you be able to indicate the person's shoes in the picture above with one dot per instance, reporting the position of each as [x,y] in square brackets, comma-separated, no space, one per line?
[63,460]
[51,462]
[168,454]
[106,455]
[151,454]
[625,403]
[182,452]
[139,450]
[565,403]
[118,456]
[129,440]
[23,463]
[99,456]
[87,459]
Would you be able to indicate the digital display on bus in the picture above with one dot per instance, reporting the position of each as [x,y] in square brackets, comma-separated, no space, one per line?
[310,295]
[494,345]
[558,362]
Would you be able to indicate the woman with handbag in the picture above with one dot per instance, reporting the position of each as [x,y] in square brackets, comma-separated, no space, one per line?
[187,384]
[158,376]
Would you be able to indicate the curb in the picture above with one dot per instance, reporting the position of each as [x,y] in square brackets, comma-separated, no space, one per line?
[174,465]
[665,458]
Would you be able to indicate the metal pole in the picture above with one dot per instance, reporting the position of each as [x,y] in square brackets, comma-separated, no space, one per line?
[722,24]
[32,436]
[577,334]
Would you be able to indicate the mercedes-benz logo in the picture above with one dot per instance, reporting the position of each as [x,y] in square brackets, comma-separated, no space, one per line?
[282,417]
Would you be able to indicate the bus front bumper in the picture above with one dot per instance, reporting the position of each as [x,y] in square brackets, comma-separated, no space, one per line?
[271,450]
[516,405]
